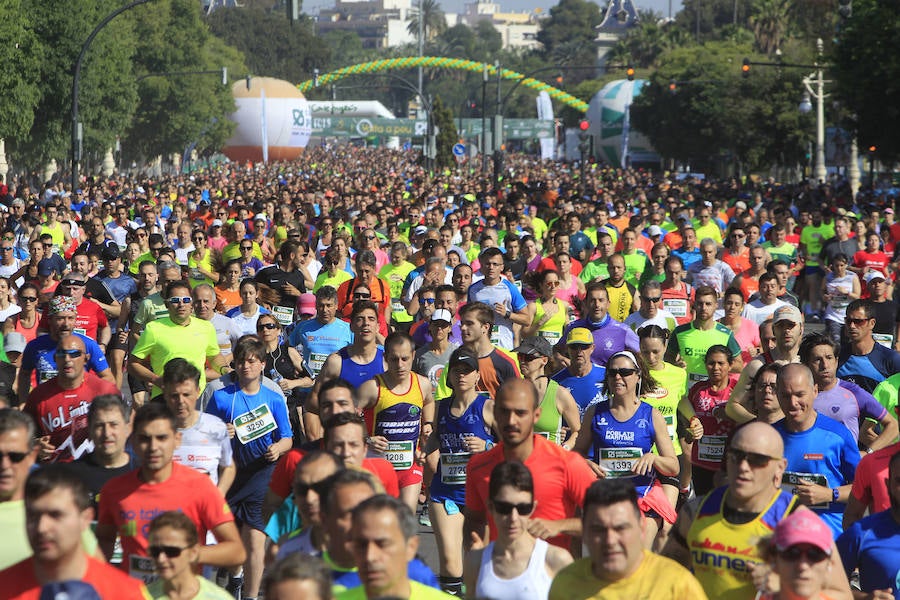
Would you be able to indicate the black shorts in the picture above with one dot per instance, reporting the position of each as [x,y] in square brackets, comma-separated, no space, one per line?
[248,492]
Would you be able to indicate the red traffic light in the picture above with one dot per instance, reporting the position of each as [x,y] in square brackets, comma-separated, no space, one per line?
[584,124]
[872,148]
[629,72]
[745,67]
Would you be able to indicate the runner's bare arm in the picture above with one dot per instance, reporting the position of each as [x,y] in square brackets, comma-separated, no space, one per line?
[738,406]
[106,539]
[228,551]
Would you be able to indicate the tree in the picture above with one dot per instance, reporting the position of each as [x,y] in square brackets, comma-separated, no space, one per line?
[770,20]
[446,137]
[716,115]
[108,89]
[21,55]
[643,45]
[433,20]
[174,109]
[568,34]
[270,44]
[866,67]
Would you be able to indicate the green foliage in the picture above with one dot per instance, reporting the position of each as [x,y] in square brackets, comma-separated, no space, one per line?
[717,115]
[446,137]
[108,89]
[175,108]
[271,45]
[433,20]
[568,34]
[21,54]
[643,45]
[866,66]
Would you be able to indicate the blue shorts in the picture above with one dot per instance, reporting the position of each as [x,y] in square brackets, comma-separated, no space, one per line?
[248,492]
[814,271]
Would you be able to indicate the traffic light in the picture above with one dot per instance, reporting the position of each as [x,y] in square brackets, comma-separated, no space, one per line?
[584,137]
[673,87]
[845,8]
[872,149]
[629,73]
[745,68]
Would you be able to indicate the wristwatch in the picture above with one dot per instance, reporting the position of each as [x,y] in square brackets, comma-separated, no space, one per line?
[835,493]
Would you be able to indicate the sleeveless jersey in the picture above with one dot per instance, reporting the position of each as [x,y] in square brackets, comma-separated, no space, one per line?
[450,480]
[56,232]
[618,445]
[722,552]
[620,300]
[550,422]
[671,388]
[708,451]
[533,582]
[356,373]
[398,417]
[749,285]
[552,330]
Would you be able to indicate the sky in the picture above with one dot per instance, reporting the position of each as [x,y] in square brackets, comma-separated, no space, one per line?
[661,6]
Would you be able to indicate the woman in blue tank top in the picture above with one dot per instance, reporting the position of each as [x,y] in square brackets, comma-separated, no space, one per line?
[463,427]
[622,430]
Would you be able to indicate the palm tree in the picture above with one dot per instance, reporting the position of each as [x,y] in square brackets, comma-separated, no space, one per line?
[434,22]
[770,20]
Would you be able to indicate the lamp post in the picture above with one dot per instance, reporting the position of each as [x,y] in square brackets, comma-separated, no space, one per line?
[815,89]
[76,126]
[484,81]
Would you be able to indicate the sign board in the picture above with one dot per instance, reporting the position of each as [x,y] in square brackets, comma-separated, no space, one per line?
[513,129]
[459,150]
[355,127]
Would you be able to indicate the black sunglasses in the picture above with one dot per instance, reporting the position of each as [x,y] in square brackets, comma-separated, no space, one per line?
[361,296]
[266,326]
[246,247]
[506,508]
[320,488]
[73,283]
[170,551]
[14,457]
[795,553]
[623,372]
[28,298]
[754,459]
[652,300]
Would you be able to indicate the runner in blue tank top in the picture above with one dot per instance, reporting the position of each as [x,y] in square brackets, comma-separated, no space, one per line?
[360,361]
[463,427]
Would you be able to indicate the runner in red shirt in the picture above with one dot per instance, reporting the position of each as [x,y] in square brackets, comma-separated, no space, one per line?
[562,477]
[90,320]
[59,501]
[129,502]
[60,405]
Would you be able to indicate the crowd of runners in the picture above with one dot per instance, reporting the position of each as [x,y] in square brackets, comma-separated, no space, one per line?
[266,380]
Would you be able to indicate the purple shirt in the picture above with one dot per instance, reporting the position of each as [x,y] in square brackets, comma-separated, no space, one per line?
[422,337]
[610,336]
[847,402]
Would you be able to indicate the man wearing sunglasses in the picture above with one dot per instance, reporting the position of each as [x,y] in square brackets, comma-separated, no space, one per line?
[90,318]
[18,454]
[39,358]
[717,535]
[57,514]
[60,405]
[179,335]
[651,311]
[864,361]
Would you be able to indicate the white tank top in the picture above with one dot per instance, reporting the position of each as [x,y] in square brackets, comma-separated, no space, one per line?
[532,583]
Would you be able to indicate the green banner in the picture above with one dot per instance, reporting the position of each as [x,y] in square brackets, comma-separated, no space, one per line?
[513,129]
[356,127]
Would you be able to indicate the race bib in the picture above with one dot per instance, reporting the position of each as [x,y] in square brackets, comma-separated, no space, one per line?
[397,306]
[495,335]
[697,377]
[47,375]
[254,424]
[677,306]
[791,479]
[143,568]
[453,468]
[670,425]
[885,339]
[196,274]
[711,448]
[283,314]
[619,462]
[316,362]
[80,330]
[551,336]
[400,454]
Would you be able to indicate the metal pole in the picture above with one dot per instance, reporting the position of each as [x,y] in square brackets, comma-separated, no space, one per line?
[853,168]
[75,153]
[484,81]
[821,172]
[498,135]
[421,41]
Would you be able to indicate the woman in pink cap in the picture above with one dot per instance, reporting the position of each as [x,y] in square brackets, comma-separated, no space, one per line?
[800,553]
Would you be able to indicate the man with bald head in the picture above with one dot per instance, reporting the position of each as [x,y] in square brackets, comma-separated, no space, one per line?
[563,479]
[821,453]
[60,405]
[716,536]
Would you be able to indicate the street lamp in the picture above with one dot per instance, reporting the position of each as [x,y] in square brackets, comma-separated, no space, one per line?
[815,88]
[76,126]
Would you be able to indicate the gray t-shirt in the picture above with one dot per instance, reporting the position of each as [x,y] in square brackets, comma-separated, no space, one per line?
[430,365]
[205,446]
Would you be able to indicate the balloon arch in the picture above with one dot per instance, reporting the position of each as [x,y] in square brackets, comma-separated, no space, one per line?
[440,62]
